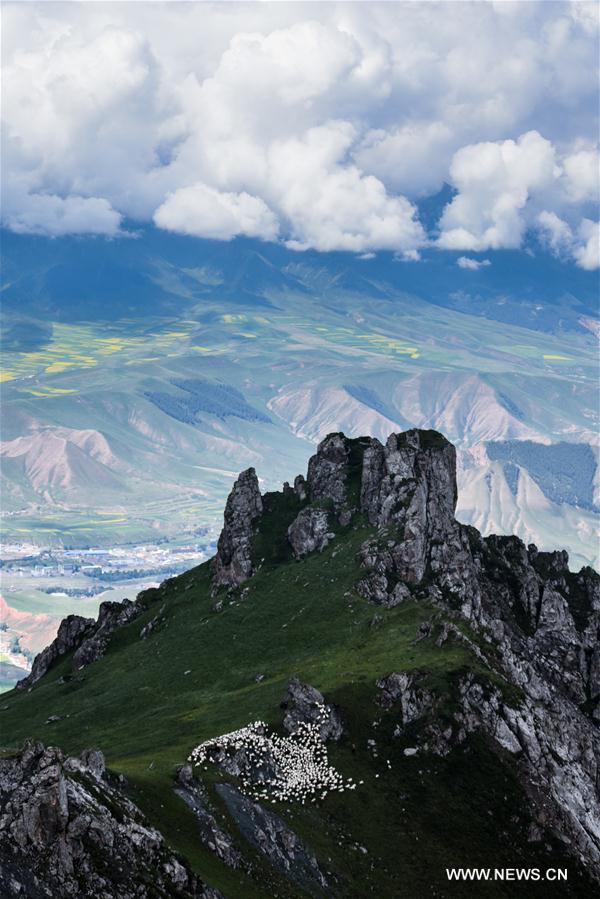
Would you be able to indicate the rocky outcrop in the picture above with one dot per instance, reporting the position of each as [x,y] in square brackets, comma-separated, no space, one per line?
[406,489]
[66,830]
[530,626]
[540,621]
[87,637]
[111,616]
[275,840]
[327,472]
[408,492]
[232,564]
[404,688]
[304,704]
[70,634]
[213,836]
[309,532]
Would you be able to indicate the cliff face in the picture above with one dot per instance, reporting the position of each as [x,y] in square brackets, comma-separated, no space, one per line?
[233,562]
[530,626]
[65,830]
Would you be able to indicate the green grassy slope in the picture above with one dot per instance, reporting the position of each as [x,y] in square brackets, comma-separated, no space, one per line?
[149,702]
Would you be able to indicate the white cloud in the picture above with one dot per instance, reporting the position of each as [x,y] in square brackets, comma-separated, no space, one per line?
[472,264]
[582,176]
[412,159]
[556,232]
[332,206]
[202,211]
[495,181]
[53,216]
[409,256]
[311,123]
[587,253]
[581,245]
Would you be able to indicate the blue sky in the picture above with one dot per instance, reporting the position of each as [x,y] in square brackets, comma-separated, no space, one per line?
[328,127]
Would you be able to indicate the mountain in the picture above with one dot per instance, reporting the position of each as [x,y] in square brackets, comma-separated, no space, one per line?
[142,373]
[357,693]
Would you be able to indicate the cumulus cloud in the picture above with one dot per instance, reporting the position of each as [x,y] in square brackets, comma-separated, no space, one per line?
[582,244]
[412,159]
[587,252]
[495,181]
[503,188]
[582,176]
[472,264]
[53,216]
[334,206]
[202,211]
[315,124]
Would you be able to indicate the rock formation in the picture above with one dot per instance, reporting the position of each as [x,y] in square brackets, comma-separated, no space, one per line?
[233,561]
[88,638]
[309,531]
[268,833]
[66,830]
[303,704]
[71,631]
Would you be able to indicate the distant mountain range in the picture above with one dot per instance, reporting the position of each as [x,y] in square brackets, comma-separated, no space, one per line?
[141,373]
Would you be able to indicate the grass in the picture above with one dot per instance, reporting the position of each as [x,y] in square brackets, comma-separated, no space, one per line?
[149,702]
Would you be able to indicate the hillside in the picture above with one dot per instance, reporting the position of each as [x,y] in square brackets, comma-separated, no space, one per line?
[454,682]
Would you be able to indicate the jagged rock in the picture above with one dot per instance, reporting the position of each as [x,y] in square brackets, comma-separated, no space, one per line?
[309,532]
[275,840]
[409,487]
[246,766]
[558,754]
[327,471]
[594,673]
[303,704]
[65,830]
[151,626]
[111,616]
[211,834]
[232,564]
[403,689]
[533,625]
[87,637]
[70,633]
[300,488]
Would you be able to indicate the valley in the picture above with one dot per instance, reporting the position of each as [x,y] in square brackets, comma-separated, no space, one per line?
[40,587]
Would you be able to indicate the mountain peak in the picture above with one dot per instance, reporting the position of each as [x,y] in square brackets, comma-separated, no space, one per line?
[408,485]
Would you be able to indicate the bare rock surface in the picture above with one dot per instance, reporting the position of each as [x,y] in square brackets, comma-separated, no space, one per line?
[304,704]
[70,634]
[87,637]
[309,532]
[212,835]
[65,830]
[275,840]
[233,562]
[327,471]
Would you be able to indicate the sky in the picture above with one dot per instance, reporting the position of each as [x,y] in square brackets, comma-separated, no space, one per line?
[319,125]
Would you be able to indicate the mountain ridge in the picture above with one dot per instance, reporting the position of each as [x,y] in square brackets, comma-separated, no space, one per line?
[451,641]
